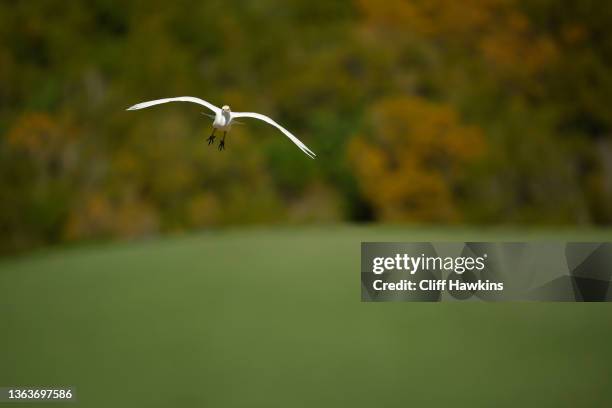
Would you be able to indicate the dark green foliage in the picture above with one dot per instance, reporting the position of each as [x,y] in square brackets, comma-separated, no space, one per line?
[533,76]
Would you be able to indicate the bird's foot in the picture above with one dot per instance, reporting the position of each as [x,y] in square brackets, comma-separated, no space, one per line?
[211,139]
[221,145]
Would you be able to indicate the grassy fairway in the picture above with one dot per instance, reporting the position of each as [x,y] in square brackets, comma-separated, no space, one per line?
[273,318]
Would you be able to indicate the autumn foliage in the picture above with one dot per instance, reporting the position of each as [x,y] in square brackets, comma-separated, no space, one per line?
[412,161]
[420,111]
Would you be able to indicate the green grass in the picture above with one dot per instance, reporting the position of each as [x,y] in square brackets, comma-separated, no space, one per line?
[273,318]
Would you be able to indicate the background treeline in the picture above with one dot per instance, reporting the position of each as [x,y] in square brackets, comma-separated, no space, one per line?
[427,111]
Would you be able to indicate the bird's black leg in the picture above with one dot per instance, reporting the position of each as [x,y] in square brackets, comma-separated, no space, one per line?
[211,139]
[222,142]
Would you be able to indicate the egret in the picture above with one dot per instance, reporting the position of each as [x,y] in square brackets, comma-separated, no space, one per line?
[224,118]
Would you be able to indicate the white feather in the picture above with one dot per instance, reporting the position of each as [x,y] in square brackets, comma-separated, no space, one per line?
[192,99]
[268,120]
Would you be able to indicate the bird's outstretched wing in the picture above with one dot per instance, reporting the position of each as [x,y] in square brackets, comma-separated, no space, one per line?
[192,99]
[266,119]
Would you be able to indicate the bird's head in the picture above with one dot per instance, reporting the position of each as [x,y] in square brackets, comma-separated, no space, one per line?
[225,108]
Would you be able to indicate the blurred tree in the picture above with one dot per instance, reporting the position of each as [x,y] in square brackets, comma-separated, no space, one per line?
[412,162]
[40,164]
[532,77]
[501,63]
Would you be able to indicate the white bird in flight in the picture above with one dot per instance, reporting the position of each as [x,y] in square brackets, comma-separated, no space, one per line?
[224,118]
